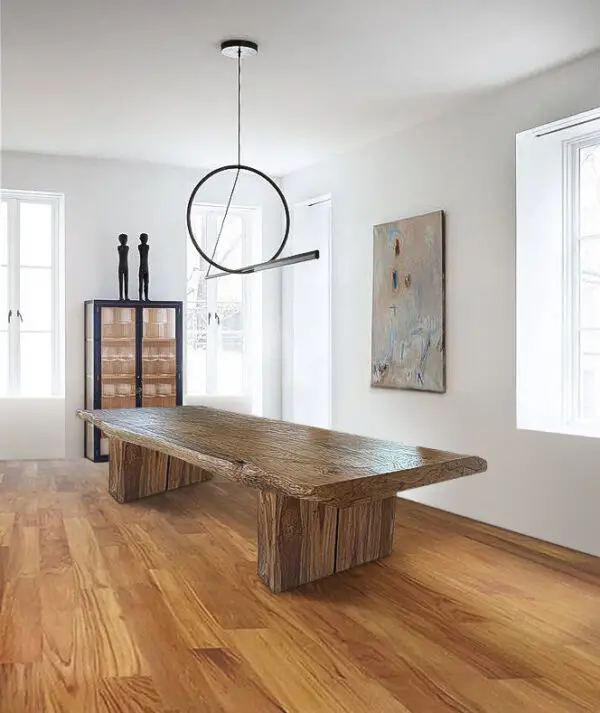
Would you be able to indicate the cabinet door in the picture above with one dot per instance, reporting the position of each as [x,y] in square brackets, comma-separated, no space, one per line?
[117,360]
[159,356]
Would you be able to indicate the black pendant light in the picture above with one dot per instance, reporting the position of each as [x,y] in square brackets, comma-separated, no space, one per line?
[238,50]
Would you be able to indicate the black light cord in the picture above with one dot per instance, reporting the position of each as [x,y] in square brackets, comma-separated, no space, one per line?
[239,156]
[239,107]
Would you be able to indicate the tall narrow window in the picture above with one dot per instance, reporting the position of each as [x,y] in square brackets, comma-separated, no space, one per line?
[30,309]
[218,317]
[585,221]
[558,276]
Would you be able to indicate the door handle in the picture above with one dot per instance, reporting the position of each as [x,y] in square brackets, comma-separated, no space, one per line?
[9,315]
[19,315]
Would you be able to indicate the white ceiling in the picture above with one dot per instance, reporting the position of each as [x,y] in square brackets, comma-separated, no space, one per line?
[143,79]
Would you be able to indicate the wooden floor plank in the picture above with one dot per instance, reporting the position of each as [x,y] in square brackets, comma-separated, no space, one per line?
[304,676]
[90,568]
[7,520]
[196,625]
[20,625]
[174,669]
[233,683]
[24,560]
[156,607]
[135,694]
[21,688]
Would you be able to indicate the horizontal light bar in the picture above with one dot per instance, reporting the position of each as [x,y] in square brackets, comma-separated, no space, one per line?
[280,262]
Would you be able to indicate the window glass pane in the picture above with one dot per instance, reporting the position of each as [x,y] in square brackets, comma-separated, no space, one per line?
[589,190]
[230,356]
[589,297]
[230,334]
[196,266]
[3,297]
[36,298]
[196,311]
[36,233]
[36,364]
[196,351]
[229,249]
[3,233]
[589,370]
[3,363]
[215,349]
[590,259]
[230,327]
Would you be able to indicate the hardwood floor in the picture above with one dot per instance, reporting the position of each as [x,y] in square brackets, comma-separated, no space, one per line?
[156,607]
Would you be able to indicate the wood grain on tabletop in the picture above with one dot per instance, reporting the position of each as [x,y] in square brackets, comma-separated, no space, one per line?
[294,460]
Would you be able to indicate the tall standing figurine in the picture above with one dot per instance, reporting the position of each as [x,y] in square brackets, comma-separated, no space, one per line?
[144,274]
[123,267]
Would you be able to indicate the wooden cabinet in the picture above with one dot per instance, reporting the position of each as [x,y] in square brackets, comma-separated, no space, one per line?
[133,359]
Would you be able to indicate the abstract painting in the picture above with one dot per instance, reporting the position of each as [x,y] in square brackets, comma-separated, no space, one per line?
[408,304]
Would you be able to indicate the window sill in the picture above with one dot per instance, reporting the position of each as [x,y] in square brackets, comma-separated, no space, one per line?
[31,398]
[583,430]
[240,404]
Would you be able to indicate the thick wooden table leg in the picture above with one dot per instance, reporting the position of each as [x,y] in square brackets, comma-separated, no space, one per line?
[296,541]
[365,532]
[300,541]
[136,472]
[181,473]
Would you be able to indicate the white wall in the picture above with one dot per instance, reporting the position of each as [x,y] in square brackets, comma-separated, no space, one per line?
[32,427]
[104,198]
[306,314]
[538,483]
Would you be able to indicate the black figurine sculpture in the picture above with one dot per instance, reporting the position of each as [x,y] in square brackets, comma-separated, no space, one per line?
[123,267]
[144,273]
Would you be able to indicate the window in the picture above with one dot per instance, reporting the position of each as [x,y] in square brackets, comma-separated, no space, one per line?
[218,315]
[584,222]
[558,276]
[30,294]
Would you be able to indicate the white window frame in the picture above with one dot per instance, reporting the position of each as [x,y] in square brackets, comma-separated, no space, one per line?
[251,238]
[572,285]
[14,199]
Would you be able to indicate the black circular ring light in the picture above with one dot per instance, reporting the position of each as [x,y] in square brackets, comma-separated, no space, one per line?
[239,49]
[237,167]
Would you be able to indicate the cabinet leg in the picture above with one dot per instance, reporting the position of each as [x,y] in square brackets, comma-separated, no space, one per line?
[300,541]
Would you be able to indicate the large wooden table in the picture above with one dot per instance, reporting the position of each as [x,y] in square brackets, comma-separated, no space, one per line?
[326,500]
